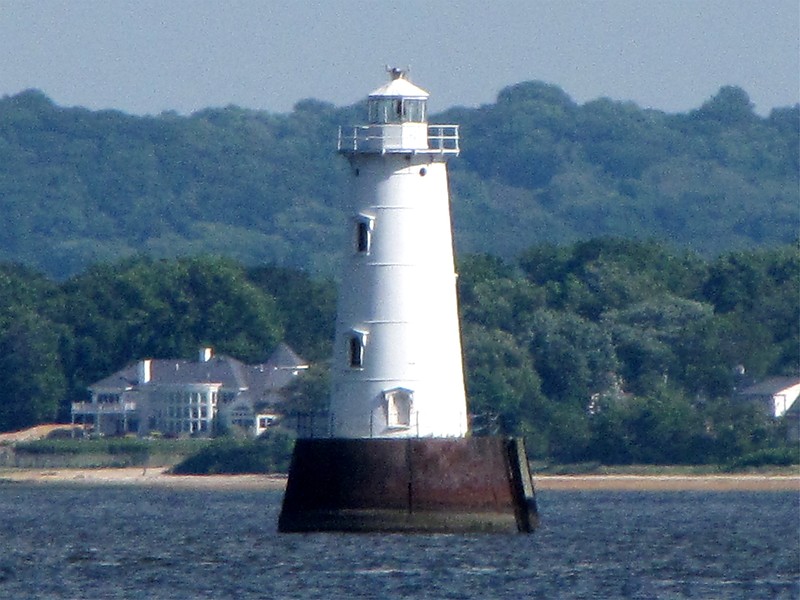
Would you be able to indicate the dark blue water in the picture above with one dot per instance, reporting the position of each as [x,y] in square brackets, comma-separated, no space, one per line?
[106,543]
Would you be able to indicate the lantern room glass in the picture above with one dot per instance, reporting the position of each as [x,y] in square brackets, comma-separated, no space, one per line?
[396,110]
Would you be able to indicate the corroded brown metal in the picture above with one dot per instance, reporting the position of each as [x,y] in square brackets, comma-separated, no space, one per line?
[413,484]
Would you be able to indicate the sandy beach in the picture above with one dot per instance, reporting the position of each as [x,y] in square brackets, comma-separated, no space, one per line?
[160,477]
[720,483]
[155,476]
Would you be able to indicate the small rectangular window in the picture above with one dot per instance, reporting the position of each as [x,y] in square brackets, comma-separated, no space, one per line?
[362,243]
[356,351]
[363,233]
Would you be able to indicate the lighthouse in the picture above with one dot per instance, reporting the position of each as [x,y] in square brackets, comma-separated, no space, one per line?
[397,367]
[399,456]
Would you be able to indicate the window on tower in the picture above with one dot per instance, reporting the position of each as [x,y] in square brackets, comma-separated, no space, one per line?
[414,111]
[398,408]
[363,234]
[363,237]
[397,110]
[355,348]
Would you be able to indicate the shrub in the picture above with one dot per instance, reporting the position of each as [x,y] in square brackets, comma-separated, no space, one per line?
[271,453]
[774,457]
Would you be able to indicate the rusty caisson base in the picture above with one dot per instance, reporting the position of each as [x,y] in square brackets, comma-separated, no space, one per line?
[424,485]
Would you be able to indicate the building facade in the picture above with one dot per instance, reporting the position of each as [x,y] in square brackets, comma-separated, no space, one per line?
[185,398]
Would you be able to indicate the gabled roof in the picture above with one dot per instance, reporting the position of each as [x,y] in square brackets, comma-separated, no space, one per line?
[771,386]
[221,369]
[780,394]
[227,371]
[284,357]
[279,370]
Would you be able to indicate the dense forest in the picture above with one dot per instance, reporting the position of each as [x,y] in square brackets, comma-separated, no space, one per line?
[80,187]
[618,266]
[610,350]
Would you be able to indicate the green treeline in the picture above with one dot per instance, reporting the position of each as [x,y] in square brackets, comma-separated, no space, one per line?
[80,187]
[607,350]
[624,352]
[619,349]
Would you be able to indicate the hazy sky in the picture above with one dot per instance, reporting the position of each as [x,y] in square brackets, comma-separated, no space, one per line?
[144,57]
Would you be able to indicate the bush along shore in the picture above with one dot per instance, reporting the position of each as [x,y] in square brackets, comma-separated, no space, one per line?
[98,453]
[271,454]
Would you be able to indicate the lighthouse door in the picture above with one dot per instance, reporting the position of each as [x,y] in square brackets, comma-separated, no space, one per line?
[398,408]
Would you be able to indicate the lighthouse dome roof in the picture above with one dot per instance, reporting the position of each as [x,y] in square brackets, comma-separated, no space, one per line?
[399,87]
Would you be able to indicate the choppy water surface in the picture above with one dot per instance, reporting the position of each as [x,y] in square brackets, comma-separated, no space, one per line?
[106,543]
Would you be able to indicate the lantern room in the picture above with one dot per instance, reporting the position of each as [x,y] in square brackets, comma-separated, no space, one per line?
[397,113]
[399,101]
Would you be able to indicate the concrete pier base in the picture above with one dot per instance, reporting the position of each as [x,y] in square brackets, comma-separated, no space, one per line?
[428,485]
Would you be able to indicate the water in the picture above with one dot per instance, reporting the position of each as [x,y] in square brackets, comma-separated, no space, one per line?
[109,543]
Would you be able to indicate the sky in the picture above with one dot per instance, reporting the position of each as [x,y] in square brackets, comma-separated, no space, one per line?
[149,56]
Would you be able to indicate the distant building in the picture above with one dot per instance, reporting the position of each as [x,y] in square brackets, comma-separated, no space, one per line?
[777,397]
[181,397]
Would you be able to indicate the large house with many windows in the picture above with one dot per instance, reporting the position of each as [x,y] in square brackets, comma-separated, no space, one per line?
[176,397]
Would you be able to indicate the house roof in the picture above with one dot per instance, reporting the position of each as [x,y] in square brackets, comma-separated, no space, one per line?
[279,370]
[284,357]
[231,373]
[770,386]
[222,369]
[780,393]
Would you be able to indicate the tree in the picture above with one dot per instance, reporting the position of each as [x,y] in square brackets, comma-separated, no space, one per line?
[493,296]
[730,106]
[33,383]
[503,388]
[307,307]
[660,428]
[647,337]
[144,308]
[78,187]
[574,357]
[310,392]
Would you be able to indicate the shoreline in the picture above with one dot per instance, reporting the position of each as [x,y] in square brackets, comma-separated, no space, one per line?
[159,476]
[680,483]
[144,477]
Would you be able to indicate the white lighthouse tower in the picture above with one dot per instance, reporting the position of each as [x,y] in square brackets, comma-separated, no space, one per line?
[398,457]
[397,369]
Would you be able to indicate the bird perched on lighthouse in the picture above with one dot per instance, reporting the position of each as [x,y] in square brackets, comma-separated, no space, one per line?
[397,369]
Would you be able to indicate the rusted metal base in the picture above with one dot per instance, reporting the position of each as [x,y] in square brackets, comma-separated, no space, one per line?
[461,485]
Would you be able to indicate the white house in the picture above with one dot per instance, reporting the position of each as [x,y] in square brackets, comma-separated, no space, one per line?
[183,397]
[778,397]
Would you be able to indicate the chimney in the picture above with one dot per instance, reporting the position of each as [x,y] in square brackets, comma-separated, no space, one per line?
[205,355]
[144,371]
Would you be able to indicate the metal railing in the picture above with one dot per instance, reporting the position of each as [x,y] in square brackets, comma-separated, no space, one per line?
[90,408]
[442,139]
